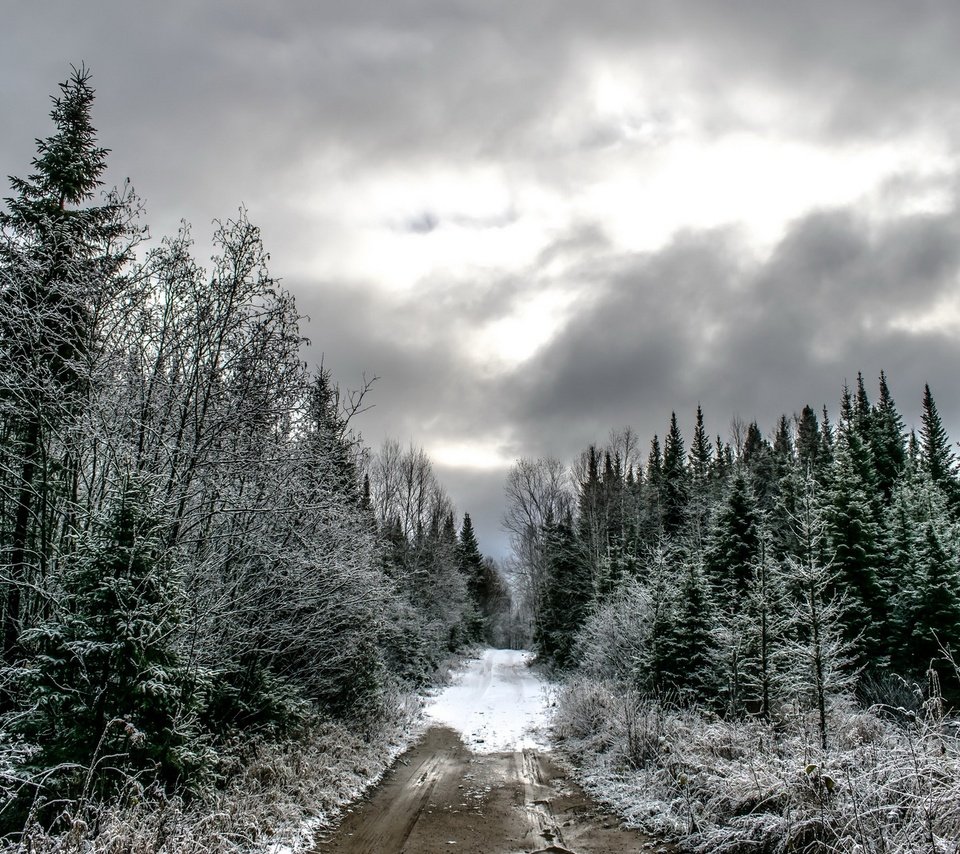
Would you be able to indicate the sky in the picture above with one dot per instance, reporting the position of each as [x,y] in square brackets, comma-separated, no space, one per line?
[534,221]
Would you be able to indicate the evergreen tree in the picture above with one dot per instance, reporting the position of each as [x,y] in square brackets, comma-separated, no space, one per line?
[701,451]
[820,660]
[761,467]
[702,492]
[691,639]
[862,411]
[767,630]
[591,513]
[675,488]
[566,596]
[652,527]
[469,559]
[924,545]
[61,256]
[656,655]
[855,537]
[783,454]
[471,565]
[887,441]
[936,454]
[933,608]
[107,679]
[734,546]
[808,440]
[826,441]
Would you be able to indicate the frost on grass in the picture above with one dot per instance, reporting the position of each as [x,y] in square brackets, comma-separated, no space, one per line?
[749,786]
[279,797]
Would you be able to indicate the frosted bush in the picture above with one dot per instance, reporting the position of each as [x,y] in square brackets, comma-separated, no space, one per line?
[750,786]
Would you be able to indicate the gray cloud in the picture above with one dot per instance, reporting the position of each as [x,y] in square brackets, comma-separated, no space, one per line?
[210,105]
[701,321]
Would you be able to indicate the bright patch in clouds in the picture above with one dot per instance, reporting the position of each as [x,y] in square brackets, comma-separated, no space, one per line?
[470,454]
[756,182]
[509,341]
[942,318]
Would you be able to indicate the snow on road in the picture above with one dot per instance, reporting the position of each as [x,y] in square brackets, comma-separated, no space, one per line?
[496,703]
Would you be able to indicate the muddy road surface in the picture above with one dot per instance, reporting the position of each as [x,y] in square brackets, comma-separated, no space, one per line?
[482,781]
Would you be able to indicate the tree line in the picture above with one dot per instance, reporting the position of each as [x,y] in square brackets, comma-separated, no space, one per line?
[821,561]
[195,545]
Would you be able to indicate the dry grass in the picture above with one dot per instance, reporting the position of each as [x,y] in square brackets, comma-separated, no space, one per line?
[277,796]
[749,786]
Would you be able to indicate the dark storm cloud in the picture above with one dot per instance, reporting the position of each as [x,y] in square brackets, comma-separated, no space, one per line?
[702,321]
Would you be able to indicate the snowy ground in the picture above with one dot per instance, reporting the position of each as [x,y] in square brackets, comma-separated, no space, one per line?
[496,703]
[480,780]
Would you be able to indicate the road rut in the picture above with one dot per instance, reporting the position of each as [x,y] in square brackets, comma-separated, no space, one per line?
[441,797]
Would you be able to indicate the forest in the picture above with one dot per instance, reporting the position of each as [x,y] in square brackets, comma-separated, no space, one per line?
[202,563]
[219,605]
[759,634]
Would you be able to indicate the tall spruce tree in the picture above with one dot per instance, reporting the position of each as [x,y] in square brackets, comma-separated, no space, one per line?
[675,489]
[932,613]
[702,492]
[691,638]
[469,558]
[60,254]
[937,457]
[925,549]
[472,567]
[887,441]
[808,440]
[733,547]
[821,661]
[566,597]
[855,538]
[652,526]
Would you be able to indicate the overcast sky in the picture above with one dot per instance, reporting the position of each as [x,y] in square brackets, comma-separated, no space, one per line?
[537,220]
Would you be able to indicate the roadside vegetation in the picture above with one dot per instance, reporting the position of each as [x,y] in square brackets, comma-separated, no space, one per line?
[758,633]
[216,600]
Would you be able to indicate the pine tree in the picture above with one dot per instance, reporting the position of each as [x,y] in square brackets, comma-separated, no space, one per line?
[767,630]
[887,441]
[691,638]
[808,440]
[471,566]
[933,612]
[469,559]
[820,660]
[60,256]
[652,527]
[108,679]
[826,441]
[567,594]
[734,546]
[675,488]
[855,537]
[761,468]
[862,411]
[924,544]
[783,447]
[591,513]
[702,493]
[701,450]
[936,454]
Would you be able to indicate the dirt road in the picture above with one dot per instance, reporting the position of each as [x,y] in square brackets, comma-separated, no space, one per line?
[443,796]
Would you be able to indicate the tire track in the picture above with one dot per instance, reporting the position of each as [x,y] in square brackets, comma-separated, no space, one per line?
[442,799]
